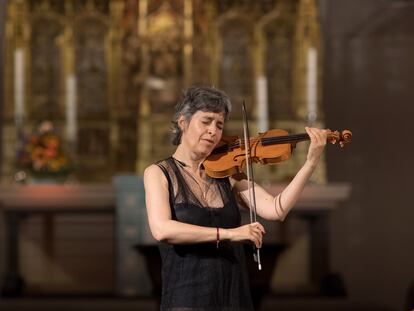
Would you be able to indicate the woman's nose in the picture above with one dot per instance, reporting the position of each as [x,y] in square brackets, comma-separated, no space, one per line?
[212,129]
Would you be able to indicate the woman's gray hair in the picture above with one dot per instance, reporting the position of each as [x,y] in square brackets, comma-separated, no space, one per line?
[198,98]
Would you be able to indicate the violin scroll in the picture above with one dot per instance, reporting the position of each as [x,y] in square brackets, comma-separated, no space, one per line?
[341,138]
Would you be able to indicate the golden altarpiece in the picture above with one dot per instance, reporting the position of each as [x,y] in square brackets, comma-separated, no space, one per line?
[108,73]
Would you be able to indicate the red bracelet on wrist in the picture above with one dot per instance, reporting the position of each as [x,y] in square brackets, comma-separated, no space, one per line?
[218,237]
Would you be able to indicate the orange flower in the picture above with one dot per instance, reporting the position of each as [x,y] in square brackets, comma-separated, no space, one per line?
[42,153]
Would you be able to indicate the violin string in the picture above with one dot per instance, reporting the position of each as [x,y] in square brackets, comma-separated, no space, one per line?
[269,140]
[272,139]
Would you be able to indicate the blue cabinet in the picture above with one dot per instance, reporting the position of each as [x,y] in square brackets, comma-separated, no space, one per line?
[131,230]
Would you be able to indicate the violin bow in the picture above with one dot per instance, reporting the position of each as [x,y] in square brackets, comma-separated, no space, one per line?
[250,179]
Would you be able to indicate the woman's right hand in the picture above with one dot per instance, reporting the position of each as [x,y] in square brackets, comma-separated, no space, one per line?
[250,232]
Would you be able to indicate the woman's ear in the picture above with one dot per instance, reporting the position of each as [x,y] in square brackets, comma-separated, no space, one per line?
[182,123]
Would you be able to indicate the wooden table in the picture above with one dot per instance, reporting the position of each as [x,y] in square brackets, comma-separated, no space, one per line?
[19,201]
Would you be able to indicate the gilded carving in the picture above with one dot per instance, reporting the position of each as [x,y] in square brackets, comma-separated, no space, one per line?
[278,56]
[236,65]
[46,62]
[165,34]
[91,67]
[129,59]
[165,31]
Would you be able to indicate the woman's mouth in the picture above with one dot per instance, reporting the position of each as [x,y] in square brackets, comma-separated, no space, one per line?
[208,141]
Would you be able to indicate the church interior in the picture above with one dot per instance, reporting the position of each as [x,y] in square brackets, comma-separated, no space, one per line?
[87,94]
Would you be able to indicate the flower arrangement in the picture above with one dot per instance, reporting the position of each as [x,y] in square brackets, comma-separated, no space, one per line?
[41,153]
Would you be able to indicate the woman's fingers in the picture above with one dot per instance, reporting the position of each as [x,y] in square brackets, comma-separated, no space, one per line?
[257,231]
[256,239]
[317,135]
[252,232]
[318,142]
[259,226]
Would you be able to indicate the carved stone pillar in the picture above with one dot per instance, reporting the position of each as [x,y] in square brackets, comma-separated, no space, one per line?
[3,5]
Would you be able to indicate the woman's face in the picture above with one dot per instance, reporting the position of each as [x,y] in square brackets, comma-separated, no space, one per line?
[202,133]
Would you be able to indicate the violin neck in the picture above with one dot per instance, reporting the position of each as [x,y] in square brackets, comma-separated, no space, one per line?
[284,139]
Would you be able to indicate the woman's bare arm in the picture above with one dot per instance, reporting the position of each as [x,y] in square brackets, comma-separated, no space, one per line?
[163,228]
[276,208]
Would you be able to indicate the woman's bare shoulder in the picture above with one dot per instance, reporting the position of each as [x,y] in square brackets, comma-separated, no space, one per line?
[152,169]
[154,172]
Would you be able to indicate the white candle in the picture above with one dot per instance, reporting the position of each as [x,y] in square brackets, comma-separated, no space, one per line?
[262,104]
[311,94]
[71,111]
[19,84]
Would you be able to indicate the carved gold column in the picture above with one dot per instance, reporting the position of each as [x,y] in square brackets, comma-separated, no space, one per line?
[213,42]
[260,78]
[144,127]
[188,44]
[307,37]
[308,41]
[261,111]
[114,61]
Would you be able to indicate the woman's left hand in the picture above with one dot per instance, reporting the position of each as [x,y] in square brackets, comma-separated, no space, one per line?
[318,141]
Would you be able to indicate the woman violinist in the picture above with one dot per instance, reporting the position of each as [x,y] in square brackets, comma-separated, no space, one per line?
[197,217]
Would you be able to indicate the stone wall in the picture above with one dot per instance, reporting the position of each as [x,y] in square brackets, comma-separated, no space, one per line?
[368,70]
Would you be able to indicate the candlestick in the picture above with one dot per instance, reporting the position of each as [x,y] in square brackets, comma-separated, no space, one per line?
[262,104]
[311,96]
[19,85]
[71,111]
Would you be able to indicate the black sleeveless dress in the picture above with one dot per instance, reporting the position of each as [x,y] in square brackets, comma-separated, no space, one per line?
[202,277]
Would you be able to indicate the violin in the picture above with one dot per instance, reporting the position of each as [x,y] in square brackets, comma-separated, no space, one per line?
[270,147]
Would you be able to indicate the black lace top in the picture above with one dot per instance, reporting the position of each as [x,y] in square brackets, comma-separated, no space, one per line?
[202,277]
